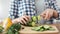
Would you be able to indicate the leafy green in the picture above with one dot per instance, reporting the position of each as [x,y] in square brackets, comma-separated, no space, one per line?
[15,26]
[16,32]
[14,29]
[1,29]
[9,32]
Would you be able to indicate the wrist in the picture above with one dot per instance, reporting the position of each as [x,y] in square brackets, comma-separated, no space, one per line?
[14,21]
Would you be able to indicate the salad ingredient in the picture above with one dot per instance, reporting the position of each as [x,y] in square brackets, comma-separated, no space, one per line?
[43,28]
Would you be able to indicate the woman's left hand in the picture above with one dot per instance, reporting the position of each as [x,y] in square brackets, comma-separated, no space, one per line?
[48,13]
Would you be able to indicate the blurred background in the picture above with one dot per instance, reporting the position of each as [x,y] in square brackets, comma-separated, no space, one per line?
[4,8]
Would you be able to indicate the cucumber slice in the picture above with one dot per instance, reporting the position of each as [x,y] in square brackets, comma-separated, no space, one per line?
[42,29]
[36,28]
[51,29]
[39,17]
[46,26]
[34,18]
[33,24]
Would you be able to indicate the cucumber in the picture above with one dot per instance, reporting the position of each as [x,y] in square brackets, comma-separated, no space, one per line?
[43,28]
[46,26]
[34,18]
[38,17]
[33,24]
[36,28]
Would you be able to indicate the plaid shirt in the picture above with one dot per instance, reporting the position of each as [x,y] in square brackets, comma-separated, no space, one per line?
[52,4]
[22,7]
[27,7]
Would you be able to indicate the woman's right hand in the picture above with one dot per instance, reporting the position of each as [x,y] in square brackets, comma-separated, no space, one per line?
[22,20]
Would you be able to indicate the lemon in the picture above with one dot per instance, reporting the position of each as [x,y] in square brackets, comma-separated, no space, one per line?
[7,23]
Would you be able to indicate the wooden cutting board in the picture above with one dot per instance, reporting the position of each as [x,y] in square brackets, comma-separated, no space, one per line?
[27,30]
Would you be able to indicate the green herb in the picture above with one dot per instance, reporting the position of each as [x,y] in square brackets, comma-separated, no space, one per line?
[14,29]
[1,29]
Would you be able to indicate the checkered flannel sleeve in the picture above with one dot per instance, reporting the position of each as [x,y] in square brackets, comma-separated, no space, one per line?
[13,11]
[53,5]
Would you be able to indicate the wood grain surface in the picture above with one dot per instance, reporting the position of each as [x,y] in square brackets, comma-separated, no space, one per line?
[27,30]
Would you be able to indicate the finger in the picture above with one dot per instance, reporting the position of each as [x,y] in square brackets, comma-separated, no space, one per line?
[23,21]
[20,20]
[28,17]
[25,18]
[43,13]
[46,17]
[50,15]
[43,16]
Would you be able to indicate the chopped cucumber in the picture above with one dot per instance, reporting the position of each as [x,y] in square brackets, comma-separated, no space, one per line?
[39,17]
[34,18]
[51,29]
[36,28]
[33,24]
[43,28]
[46,26]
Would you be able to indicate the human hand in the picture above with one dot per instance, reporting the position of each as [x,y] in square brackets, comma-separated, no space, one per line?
[22,20]
[48,13]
